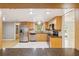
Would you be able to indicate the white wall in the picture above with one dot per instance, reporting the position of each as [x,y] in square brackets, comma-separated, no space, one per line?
[9,30]
[68,29]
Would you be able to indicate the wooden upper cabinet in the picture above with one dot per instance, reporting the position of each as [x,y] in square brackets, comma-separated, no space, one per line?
[57,22]
[46,25]
[28,24]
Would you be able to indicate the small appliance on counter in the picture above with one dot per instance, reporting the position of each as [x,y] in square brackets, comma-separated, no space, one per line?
[55,33]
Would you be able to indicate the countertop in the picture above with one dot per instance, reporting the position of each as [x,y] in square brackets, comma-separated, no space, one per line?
[49,34]
[55,36]
[40,32]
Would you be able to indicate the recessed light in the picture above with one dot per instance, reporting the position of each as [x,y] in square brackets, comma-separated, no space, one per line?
[47,12]
[31,12]
[39,22]
[3,18]
[17,23]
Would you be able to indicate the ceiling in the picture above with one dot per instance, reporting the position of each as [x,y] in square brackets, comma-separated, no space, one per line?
[32,15]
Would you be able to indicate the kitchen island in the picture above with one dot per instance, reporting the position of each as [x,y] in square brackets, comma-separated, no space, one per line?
[52,40]
[38,36]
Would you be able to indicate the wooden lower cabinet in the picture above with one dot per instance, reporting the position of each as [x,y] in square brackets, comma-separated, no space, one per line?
[55,42]
[17,37]
[41,37]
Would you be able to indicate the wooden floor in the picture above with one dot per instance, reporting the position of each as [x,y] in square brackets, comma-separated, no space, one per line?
[9,43]
[38,52]
[1,51]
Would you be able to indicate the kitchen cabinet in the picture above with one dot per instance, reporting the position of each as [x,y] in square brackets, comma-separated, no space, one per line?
[41,37]
[55,42]
[46,25]
[57,21]
[30,25]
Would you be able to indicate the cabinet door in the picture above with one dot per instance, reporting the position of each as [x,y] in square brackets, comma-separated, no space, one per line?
[37,37]
[46,25]
[41,37]
[55,43]
[58,22]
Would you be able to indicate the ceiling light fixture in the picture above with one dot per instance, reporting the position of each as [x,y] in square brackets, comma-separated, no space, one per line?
[17,23]
[47,12]
[3,18]
[31,12]
[39,22]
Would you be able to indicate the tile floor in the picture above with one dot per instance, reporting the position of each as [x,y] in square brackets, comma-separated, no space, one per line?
[9,43]
[32,45]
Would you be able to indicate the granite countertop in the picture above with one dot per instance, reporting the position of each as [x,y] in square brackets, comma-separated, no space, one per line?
[55,36]
[42,32]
